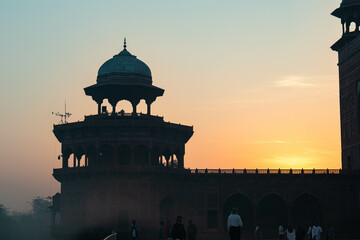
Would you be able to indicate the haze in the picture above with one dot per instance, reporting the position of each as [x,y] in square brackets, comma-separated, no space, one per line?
[257,79]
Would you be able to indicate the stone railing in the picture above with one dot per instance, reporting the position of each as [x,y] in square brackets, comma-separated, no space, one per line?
[265,171]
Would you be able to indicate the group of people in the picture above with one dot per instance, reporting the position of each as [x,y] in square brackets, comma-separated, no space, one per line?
[314,232]
[234,225]
[168,232]
[177,231]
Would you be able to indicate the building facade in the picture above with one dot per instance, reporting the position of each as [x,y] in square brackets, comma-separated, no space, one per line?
[118,167]
[348,47]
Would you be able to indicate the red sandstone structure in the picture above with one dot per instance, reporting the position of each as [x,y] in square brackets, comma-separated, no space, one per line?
[119,166]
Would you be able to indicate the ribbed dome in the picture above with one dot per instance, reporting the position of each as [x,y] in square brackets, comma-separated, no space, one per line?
[124,68]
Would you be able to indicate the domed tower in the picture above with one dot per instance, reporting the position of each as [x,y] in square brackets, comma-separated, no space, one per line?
[124,77]
[348,48]
[111,161]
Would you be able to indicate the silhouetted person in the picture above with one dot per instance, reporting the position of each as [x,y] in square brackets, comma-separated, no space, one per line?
[134,231]
[310,231]
[258,232]
[330,233]
[160,232]
[281,232]
[191,231]
[178,231]
[234,223]
[290,233]
[168,231]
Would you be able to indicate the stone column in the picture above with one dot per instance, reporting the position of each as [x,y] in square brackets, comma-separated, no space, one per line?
[113,103]
[99,102]
[134,104]
[181,161]
[148,103]
[65,161]
[74,160]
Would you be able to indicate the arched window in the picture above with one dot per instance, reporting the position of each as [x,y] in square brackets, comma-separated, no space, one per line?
[306,209]
[91,155]
[272,212]
[106,155]
[124,155]
[141,155]
[155,156]
[246,210]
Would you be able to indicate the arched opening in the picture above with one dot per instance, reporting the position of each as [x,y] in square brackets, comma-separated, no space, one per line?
[124,106]
[80,156]
[66,156]
[142,107]
[124,155]
[272,212]
[246,210]
[167,210]
[91,155]
[106,107]
[106,155]
[72,160]
[141,155]
[306,209]
[155,156]
[352,27]
[167,154]
[178,154]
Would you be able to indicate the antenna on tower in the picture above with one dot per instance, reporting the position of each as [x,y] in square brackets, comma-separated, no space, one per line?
[63,116]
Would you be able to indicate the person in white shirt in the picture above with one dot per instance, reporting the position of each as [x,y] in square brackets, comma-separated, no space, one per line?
[234,223]
[290,233]
[281,232]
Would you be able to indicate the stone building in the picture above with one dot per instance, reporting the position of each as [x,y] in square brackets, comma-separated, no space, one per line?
[119,166]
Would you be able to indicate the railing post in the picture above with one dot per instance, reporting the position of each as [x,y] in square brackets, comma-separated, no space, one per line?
[268,171]
[302,171]
[219,171]
[245,171]
[256,171]
[327,171]
[206,171]
[196,171]
[290,171]
[233,171]
[313,172]
[279,171]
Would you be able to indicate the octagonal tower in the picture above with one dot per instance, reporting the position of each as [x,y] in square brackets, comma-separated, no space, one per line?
[348,48]
[108,158]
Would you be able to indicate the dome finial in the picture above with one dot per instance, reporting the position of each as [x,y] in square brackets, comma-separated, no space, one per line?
[125,43]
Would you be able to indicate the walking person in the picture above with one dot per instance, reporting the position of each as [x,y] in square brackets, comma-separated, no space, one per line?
[134,230]
[330,233]
[191,231]
[258,232]
[160,232]
[234,223]
[167,231]
[281,232]
[178,231]
[290,233]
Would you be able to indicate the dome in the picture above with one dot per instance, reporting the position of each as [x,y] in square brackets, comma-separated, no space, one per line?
[124,68]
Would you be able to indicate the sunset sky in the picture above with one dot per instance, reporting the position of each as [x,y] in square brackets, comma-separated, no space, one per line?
[256,79]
